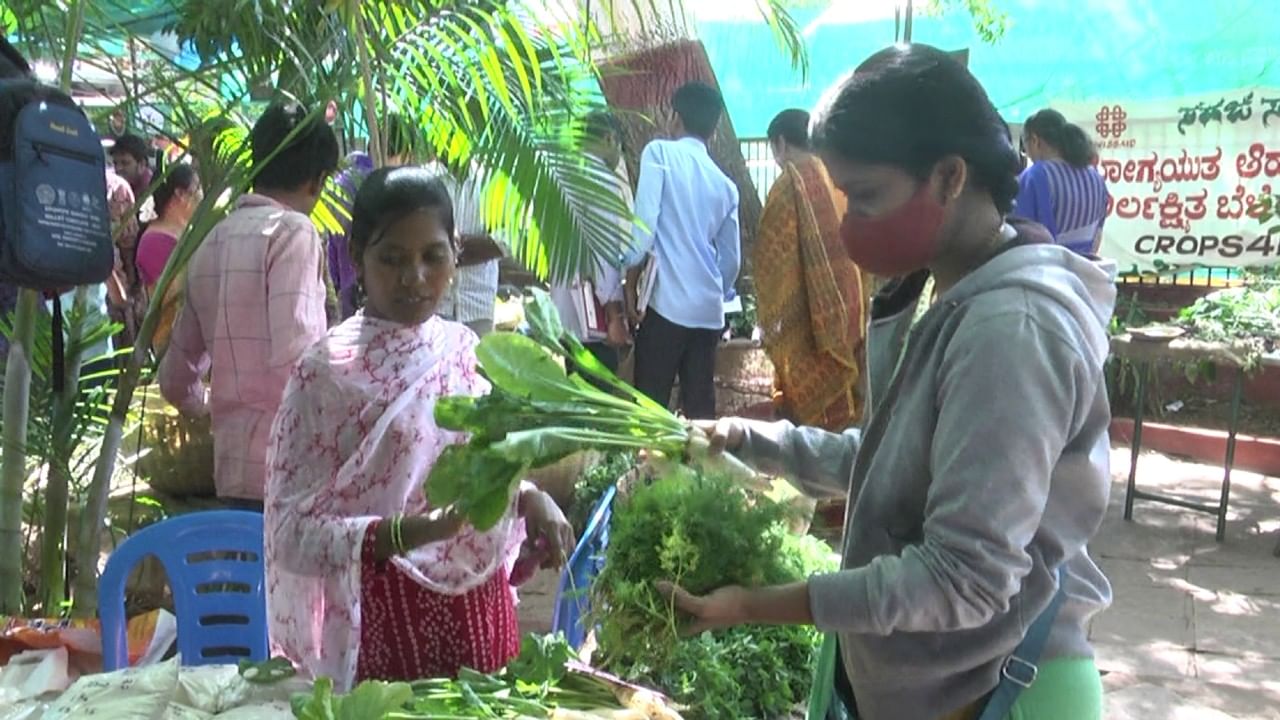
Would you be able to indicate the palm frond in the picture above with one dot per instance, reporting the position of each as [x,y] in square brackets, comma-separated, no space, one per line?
[497,86]
[460,67]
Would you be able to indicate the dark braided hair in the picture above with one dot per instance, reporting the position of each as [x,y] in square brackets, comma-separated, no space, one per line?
[180,177]
[389,195]
[910,106]
[1069,140]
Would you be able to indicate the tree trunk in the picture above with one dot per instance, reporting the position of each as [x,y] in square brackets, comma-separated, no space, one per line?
[376,149]
[642,83]
[57,488]
[13,464]
[93,515]
[89,539]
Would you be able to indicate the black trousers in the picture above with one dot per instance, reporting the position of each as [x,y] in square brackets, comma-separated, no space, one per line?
[665,351]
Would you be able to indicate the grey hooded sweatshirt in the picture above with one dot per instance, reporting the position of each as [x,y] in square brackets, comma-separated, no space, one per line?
[982,468]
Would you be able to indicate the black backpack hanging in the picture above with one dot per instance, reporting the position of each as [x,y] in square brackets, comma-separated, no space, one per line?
[55,228]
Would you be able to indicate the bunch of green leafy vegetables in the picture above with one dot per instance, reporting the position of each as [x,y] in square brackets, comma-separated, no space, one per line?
[704,531]
[1247,317]
[594,482]
[1261,274]
[538,413]
[536,684]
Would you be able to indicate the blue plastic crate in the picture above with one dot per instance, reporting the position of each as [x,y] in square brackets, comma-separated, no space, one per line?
[573,602]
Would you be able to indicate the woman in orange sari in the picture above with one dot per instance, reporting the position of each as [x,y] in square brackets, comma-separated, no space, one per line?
[811,299]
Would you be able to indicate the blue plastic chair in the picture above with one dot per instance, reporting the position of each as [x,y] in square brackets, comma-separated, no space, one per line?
[573,603]
[214,564]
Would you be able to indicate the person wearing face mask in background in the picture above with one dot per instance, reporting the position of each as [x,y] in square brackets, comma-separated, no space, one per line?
[1062,190]
[982,471]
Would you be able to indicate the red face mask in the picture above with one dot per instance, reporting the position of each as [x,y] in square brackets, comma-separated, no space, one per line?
[898,242]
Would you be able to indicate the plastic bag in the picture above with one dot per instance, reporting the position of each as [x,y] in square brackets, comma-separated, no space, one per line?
[149,637]
[33,673]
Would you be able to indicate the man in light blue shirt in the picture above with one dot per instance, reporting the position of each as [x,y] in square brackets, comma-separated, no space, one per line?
[688,222]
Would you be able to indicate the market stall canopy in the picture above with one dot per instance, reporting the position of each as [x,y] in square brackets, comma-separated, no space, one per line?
[1052,52]
[117,20]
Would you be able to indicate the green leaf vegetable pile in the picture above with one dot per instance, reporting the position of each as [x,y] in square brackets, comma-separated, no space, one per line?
[703,531]
[537,684]
[538,413]
[1247,315]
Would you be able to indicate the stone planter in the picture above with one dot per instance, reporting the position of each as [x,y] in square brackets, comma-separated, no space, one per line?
[744,378]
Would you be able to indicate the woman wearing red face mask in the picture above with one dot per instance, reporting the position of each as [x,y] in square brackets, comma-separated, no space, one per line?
[980,473]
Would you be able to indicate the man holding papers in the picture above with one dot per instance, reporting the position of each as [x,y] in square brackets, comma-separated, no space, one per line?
[686,259]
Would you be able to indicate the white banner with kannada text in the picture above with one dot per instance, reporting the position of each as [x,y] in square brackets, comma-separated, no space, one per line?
[1186,176]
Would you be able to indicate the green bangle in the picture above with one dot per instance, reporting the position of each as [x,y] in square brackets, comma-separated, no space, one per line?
[397,534]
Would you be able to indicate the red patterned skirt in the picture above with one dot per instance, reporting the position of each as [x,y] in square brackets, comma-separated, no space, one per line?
[408,632]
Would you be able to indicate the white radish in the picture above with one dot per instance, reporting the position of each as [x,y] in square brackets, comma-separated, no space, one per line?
[700,453]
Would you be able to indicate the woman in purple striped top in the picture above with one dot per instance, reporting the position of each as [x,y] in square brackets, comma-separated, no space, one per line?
[1062,189]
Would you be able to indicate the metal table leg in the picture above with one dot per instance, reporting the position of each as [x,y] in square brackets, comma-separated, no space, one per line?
[1136,446]
[1236,393]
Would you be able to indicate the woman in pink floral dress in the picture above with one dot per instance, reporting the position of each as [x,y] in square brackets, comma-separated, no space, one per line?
[353,441]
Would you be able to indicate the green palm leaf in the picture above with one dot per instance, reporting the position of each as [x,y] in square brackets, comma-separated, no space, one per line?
[489,83]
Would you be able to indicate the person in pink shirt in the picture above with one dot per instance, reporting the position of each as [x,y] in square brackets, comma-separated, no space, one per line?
[255,300]
[123,304]
[176,200]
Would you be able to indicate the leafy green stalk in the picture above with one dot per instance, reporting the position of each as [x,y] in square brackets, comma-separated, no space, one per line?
[13,464]
[13,458]
[703,531]
[535,684]
[82,333]
[539,413]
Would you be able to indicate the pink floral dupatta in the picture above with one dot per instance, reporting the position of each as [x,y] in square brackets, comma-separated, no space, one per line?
[352,444]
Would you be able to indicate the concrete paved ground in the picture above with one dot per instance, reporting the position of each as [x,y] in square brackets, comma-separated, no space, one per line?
[1194,633]
[537,602]
[1195,628]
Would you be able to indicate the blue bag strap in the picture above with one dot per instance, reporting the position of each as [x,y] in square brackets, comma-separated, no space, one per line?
[1020,669]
